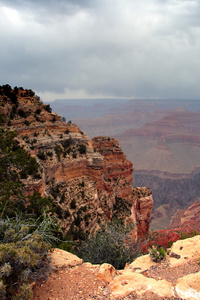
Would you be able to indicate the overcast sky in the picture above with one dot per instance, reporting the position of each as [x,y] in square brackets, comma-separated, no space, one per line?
[101,48]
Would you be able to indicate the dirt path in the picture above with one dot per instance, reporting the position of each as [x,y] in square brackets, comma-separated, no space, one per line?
[80,282]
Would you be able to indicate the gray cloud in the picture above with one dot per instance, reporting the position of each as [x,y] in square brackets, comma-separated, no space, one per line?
[111,48]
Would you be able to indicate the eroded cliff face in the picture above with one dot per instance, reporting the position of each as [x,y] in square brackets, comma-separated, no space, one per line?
[187,220]
[89,180]
[127,203]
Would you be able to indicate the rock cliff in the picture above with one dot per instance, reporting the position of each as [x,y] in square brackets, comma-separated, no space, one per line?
[89,180]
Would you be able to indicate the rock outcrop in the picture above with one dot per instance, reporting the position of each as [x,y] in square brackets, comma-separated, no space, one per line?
[106,272]
[176,277]
[89,180]
[185,250]
[129,281]
[137,276]
[188,287]
[61,259]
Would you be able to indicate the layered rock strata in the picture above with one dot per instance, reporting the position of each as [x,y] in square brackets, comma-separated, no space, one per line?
[89,180]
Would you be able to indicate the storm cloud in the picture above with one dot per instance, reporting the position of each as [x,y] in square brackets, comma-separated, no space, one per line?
[111,48]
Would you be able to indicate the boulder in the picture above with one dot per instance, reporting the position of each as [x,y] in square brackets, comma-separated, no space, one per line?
[130,281]
[63,259]
[142,263]
[106,272]
[188,287]
[185,250]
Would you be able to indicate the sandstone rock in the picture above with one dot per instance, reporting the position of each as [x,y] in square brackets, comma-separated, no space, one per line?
[142,209]
[106,272]
[188,249]
[63,259]
[188,287]
[142,263]
[130,281]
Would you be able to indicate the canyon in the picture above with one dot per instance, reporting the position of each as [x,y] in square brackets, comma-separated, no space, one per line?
[161,138]
[91,183]
[89,180]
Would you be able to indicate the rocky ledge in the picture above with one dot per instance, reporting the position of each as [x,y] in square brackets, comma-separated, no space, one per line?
[176,277]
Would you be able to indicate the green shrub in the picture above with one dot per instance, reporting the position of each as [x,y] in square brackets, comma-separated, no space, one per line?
[13,97]
[38,111]
[74,155]
[67,246]
[112,244]
[12,198]
[2,119]
[48,108]
[59,211]
[66,143]
[169,244]
[22,113]
[67,214]
[62,199]
[36,133]
[186,235]
[157,254]
[6,89]
[41,155]
[2,290]
[27,123]
[82,149]
[54,119]
[49,153]
[73,204]
[23,255]
[38,205]
[58,150]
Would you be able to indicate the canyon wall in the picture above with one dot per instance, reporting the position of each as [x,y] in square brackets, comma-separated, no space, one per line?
[89,180]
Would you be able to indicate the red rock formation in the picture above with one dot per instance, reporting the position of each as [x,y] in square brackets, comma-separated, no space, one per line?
[118,171]
[143,207]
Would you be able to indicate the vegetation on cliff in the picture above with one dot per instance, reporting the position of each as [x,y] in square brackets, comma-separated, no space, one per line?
[27,225]
[112,244]
[26,233]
